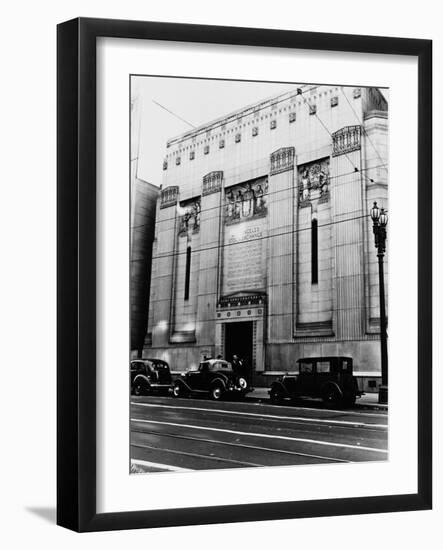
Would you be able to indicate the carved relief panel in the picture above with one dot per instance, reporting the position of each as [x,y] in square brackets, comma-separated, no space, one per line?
[189,217]
[313,182]
[246,201]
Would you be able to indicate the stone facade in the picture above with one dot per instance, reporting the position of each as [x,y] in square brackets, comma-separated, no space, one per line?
[263,244]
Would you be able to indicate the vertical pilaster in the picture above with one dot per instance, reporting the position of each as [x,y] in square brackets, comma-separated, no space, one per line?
[375,149]
[348,223]
[280,245]
[211,204]
[163,267]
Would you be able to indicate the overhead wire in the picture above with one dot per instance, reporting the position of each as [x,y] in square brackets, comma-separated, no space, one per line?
[275,235]
[219,206]
[218,246]
[364,130]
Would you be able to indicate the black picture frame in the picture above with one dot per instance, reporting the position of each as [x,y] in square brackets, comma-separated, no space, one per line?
[76,265]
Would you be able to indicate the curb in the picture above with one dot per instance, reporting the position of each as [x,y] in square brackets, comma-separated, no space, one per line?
[369,406]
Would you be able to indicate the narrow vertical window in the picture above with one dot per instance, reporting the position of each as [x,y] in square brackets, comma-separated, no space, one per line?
[314,252]
[187,272]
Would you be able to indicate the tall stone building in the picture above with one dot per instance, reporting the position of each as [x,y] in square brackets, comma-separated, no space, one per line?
[263,244]
[144,197]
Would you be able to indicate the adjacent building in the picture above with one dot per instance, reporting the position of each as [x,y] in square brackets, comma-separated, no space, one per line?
[263,243]
[144,197]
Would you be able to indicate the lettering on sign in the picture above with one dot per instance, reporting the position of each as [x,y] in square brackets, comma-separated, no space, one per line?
[244,265]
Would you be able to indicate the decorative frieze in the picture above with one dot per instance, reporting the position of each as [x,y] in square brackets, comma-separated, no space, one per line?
[346,140]
[282,160]
[169,196]
[334,101]
[255,131]
[313,182]
[237,138]
[273,124]
[206,150]
[292,117]
[192,155]
[212,182]
[246,201]
[242,300]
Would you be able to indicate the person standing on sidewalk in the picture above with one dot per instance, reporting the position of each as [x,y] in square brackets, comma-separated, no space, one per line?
[237,365]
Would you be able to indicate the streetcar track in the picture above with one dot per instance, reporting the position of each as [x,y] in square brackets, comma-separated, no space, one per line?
[264,436]
[242,445]
[275,418]
[196,455]
[261,405]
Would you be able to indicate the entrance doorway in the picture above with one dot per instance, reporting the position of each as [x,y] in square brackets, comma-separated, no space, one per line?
[238,341]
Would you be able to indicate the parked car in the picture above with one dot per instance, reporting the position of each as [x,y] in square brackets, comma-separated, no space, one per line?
[149,376]
[330,378]
[214,377]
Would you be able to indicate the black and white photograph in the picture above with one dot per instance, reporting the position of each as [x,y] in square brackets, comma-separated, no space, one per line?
[220,278]
[259,261]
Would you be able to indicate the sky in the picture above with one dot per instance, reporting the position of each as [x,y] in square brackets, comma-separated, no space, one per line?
[197,101]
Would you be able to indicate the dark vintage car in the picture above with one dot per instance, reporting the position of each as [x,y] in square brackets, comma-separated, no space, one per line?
[149,376]
[330,378]
[214,377]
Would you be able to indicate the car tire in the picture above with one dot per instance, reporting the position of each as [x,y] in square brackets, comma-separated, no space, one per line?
[349,401]
[139,389]
[217,393]
[275,396]
[331,396]
[178,391]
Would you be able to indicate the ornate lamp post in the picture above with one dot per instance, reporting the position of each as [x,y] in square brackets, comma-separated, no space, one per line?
[380,220]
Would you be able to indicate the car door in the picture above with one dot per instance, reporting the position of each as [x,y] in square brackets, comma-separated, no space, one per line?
[306,377]
[196,379]
[323,374]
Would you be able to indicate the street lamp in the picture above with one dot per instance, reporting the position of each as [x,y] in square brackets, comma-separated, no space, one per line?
[379,221]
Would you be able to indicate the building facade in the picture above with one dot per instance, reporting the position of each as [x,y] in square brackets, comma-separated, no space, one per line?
[263,241]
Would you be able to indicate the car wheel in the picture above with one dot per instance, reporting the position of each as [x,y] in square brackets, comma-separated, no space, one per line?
[139,389]
[217,393]
[349,401]
[275,396]
[331,396]
[177,391]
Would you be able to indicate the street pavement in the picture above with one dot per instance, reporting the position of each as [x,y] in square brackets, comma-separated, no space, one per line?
[170,434]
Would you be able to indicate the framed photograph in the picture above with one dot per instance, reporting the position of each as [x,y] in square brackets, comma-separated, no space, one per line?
[244,274]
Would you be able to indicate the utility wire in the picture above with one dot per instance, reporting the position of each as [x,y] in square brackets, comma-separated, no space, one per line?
[254,110]
[292,231]
[363,128]
[218,206]
[356,169]
[173,114]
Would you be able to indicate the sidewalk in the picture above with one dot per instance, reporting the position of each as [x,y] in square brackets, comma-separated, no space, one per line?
[366,401]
